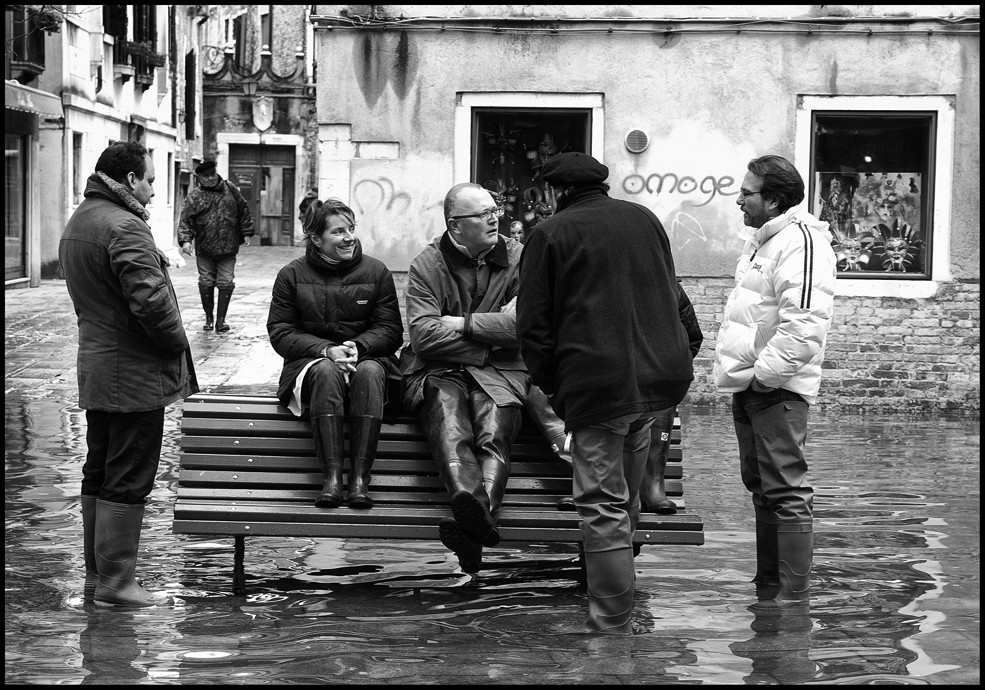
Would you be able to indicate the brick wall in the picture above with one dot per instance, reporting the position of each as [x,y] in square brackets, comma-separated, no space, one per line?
[883,354]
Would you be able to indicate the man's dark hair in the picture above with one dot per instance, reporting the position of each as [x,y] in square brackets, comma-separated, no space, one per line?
[781,181]
[121,158]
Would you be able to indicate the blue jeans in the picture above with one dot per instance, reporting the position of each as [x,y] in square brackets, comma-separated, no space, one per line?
[124,453]
[216,270]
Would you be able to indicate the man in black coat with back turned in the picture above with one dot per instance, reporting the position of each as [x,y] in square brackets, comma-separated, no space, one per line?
[601,334]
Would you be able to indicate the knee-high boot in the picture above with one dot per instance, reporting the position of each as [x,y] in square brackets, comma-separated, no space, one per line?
[208,304]
[448,429]
[611,590]
[89,545]
[795,550]
[653,490]
[225,294]
[117,537]
[327,430]
[767,579]
[365,435]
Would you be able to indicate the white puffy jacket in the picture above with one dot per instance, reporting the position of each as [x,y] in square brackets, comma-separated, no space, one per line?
[777,317]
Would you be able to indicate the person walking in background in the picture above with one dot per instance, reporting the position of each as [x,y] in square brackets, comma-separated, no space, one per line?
[769,354]
[335,319]
[217,219]
[600,332]
[133,361]
[462,369]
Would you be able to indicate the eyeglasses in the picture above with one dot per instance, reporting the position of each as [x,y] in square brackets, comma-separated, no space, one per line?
[743,193]
[486,215]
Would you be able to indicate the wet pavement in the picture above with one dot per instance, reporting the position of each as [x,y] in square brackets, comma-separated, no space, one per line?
[895,601]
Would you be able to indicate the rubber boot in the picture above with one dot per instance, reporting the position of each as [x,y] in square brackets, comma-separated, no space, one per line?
[328,432]
[767,579]
[795,549]
[225,294]
[611,590]
[208,304]
[653,490]
[363,441]
[89,546]
[117,537]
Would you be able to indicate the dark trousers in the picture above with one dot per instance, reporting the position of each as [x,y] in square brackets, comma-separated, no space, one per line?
[771,429]
[325,390]
[124,454]
[609,459]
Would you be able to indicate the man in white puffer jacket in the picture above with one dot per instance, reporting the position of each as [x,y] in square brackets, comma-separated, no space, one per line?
[769,353]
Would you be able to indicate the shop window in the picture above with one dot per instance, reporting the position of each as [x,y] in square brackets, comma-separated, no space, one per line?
[872,174]
[878,174]
[510,147]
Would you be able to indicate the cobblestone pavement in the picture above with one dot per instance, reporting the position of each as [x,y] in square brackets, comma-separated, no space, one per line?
[41,336]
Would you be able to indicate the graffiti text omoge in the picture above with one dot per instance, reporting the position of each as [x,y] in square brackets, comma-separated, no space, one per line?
[656,183]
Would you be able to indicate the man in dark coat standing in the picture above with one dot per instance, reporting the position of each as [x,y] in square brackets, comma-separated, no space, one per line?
[600,333]
[133,361]
[217,218]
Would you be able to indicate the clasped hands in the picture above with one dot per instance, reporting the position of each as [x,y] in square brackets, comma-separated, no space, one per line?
[344,356]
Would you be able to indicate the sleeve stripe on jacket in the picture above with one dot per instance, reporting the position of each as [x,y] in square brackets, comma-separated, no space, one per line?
[807,289]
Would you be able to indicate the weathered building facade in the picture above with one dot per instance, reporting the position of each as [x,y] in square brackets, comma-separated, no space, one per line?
[79,77]
[878,106]
[258,96]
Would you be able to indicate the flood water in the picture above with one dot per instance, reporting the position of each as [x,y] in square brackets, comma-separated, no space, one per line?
[895,597]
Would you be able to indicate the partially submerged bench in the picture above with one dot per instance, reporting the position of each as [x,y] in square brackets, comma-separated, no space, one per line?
[248,468]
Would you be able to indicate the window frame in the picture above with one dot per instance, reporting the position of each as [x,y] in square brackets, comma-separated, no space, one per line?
[938,230]
[520,100]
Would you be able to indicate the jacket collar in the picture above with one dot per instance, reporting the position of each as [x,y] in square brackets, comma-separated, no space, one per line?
[455,259]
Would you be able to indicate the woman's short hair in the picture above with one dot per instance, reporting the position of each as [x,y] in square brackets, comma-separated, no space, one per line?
[123,157]
[781,181]
[317,213]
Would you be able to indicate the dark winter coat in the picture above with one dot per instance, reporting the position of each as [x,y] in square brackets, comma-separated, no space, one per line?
[316,304]
[216,218]
[133,351]
[690,320]
[441,282]
[598,312]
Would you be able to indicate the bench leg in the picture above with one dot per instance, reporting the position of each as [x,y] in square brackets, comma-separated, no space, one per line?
[239,575]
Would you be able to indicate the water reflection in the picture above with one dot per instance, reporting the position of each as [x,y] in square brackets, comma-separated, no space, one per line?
[895,597]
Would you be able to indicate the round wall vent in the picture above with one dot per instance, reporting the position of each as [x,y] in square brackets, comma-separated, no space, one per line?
[637,141]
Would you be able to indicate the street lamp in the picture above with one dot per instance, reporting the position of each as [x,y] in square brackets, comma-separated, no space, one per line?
[250,87]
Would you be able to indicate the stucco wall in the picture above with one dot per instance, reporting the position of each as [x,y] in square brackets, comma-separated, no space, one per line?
[710,101]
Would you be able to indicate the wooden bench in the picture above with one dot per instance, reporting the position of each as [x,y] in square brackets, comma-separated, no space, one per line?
[248,468]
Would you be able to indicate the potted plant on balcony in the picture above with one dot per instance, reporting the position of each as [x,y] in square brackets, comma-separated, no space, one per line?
[46,18]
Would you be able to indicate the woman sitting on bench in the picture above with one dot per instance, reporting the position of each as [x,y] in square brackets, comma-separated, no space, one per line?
[335,319]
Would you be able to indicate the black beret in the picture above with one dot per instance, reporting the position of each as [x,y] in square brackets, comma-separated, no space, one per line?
[204,167]
[572,169]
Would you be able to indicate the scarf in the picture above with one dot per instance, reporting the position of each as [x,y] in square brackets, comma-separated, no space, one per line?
[125,195]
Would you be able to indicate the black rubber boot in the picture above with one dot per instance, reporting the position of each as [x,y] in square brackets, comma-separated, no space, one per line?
[767,579]
[208,304]
[328,432]
[653,490]
[611,579]
[117,537]
[795,548]
[225,294]
[365,435]
[89,546]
